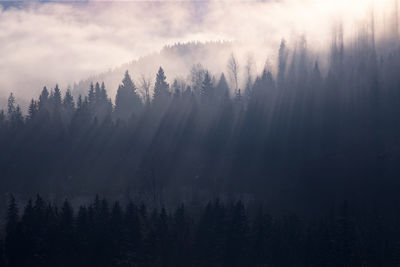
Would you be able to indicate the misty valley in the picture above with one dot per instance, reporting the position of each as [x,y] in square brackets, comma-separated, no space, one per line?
[210,160]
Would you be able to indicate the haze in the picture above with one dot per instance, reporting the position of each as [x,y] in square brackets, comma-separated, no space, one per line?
[64,42]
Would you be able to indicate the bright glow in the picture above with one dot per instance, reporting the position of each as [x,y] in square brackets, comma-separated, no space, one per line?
[45,43]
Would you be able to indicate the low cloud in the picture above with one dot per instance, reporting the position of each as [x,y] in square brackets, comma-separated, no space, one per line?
[47,43]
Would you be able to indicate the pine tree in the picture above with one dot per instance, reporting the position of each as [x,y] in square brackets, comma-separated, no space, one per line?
[2,119]
[176,89]
[29,226]
[11,109]
[161,232]
[80,102]
[222,89]
[91,96]
[66,232]
[197,73]
[127,101]
[181,238]
[345,238]
[97,94]
[283,55]
[13,234]
[83,231]
[66,217]
[12,215]
[105,105]
[57,98]
[68,102]
[237,237]
[261,239]
[248,91]
[161,89]
[32,110]
[187,94]
[118,244]
[103,92]
[39,208]
[207,88]
[2,253]
[43,98]
[135,233]
[14,113]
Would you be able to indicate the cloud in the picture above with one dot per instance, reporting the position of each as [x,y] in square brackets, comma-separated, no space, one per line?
[47,43]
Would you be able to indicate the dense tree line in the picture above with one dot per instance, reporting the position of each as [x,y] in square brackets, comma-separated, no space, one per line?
[297,137]
[217,234]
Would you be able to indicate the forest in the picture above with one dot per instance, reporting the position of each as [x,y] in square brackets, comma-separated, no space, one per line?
[296,166]
[216,234]
[300,138]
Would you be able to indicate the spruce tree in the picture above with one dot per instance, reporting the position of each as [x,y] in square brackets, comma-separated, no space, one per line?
[57,98]
[176,89]
[43,98]
[207,88]
[32,110]
[127,101]
[97,93]
[13,235]
[11,109]
[12,215]
[91,96]
[222,89]
[68,101]
[161,89]
[282,62]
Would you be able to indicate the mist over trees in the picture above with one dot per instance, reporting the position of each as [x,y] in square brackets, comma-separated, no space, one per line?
[295,165]
[296,136]
[178,60]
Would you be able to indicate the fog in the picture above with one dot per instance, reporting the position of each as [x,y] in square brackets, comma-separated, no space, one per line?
[63,42]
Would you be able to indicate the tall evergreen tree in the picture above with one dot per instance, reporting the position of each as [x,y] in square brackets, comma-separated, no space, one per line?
[14,113]
[91,96]
[282,62]
[11,109]
[57,99]
[68,102]
[176,89]
[207,89]
[127,101]
[43,98]
[13,234]
[222,89]
[32,110]
[161,89]
[12,215]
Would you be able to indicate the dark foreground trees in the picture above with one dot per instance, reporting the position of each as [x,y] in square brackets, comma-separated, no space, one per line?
[217,234]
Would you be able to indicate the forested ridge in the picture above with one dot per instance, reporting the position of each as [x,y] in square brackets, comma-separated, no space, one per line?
[295,137]
[177,60]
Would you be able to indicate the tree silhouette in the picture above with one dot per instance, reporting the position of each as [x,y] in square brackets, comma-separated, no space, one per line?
[127,102]
[161,89]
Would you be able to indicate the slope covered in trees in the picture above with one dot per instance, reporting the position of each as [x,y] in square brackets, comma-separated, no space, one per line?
[177,59]
[298,138]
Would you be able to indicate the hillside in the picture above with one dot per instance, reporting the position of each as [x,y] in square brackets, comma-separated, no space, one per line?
[177,60]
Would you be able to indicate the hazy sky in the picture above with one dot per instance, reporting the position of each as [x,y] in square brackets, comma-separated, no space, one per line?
[44,43]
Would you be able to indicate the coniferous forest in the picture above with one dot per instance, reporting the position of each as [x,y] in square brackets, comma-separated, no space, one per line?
[297,166]
[216,234]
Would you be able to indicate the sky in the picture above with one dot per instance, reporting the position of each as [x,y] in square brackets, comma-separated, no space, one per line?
[44,43]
